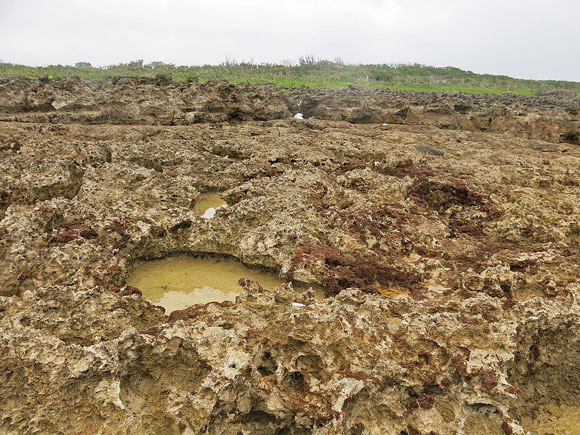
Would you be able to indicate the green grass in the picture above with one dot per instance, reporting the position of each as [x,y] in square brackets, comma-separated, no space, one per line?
[309,72]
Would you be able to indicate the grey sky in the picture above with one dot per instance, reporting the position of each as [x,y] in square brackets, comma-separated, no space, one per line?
[521,38]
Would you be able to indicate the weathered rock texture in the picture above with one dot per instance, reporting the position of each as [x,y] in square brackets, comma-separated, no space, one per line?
[447,242]
[553,117]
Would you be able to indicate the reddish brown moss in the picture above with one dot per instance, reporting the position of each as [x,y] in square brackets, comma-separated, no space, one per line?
[489,380]
[441,196]
[404,168]
[117,227]
[88,233]
[64,237]
[187,313]
[457,227]
[505,425]
[339,271]
[461,364]
[426,401]
[155,331]
[129,290]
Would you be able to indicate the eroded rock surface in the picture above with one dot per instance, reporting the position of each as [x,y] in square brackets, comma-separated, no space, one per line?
[122,100]
[448,250]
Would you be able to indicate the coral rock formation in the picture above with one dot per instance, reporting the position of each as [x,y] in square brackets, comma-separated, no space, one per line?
[447,243]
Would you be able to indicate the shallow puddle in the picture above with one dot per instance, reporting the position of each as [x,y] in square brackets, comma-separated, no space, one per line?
[179,282]
[207,204]
[555,420]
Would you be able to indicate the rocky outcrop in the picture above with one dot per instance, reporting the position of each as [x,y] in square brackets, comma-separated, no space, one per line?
[122,100]
[448,258]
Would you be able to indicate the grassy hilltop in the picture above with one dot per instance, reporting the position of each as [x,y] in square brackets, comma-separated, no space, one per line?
[309,71]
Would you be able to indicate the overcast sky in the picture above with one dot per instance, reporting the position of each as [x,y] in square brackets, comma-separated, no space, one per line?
[521,38]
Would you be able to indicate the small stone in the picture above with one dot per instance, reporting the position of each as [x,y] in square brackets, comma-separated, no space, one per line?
[429,150]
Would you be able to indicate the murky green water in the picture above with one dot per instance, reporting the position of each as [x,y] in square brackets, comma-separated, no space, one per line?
[179,282]
[207,204]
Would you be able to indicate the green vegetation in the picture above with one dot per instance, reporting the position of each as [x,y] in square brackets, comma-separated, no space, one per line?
[308,71]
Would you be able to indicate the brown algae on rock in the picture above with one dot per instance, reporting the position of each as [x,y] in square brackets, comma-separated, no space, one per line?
[179,282]
[207,204]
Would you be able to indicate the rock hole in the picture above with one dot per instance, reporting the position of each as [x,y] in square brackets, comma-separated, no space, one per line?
[207,204]
[294,379]
[268,365]
[571,137]
[266,371]
[178,282]
[180,226]
[260,417]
